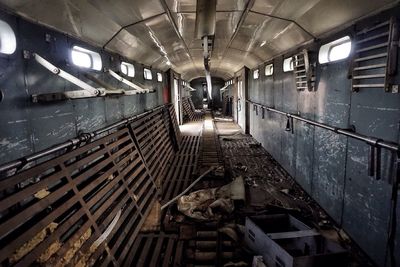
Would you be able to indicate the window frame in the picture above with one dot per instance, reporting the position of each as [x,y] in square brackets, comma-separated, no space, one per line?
[326,49]
[159,77]
[256,72]
[8,39]
[291,64]
[96,62]
[129,68]
[336,45]
[145,76]
[271,67]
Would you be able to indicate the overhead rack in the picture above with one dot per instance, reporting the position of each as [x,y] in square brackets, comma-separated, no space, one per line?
[374,63]
[303,71]
[86,90]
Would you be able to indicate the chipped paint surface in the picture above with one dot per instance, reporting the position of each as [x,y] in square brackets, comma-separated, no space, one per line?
[333,168]
[28,127]
[31,244]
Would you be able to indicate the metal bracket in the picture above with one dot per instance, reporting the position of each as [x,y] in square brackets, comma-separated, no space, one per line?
[86,92]
[55,70]
[393,47]
[374,161]
[137,88]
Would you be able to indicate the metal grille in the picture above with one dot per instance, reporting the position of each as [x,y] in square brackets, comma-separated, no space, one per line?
[303,72]
[375,56]
[154,141]
[85,206]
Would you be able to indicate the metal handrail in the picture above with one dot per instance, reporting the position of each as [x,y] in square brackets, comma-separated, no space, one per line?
[18,163]
[373,141]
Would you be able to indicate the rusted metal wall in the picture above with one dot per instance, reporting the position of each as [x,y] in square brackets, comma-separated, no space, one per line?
[333,168]
[27,127]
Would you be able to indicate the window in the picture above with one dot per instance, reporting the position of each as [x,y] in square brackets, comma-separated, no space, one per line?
[159,77]
[8,42]
[269,70]
[256,74]
[336,50]
[288,64]
[147,74]
[85,58]
[128,69]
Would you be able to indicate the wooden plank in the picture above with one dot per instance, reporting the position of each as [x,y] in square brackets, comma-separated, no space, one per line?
[168,253]
[157,252]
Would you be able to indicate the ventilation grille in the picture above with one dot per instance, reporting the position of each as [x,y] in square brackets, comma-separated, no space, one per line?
[375,57]
[303,72]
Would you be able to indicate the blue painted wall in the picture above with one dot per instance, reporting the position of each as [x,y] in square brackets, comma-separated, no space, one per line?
[27,127]
[330,167]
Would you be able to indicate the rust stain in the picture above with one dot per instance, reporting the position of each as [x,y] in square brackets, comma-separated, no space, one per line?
[50,251]
[75,248]
[31,244]
[153,221]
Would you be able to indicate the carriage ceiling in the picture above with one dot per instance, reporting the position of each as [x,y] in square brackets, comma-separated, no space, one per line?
[160,33]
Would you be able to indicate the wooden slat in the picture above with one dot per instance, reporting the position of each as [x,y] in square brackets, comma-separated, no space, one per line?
[100,188]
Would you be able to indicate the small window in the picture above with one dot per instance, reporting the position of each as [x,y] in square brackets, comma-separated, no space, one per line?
[256,74]
[8,42]
[85,58]
[159,77]
[288,64]
[128,69]
[336,50]
[148,75]
[269,70]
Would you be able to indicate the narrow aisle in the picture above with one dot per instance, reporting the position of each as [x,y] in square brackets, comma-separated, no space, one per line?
[271,190]
[210,155]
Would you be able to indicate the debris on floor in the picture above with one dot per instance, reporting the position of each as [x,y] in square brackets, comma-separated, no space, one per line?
[282,240]
[212,203]
[258,262]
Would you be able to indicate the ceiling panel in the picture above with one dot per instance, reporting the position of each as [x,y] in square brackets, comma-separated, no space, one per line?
[255,30]
[131,47]
[187,6]
[78,18]
[152,39]
[293,9]
[328,15]
[125,12]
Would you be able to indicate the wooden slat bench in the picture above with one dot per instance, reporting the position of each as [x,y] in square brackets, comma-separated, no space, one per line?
[157,249]
[53,213]
[86,207]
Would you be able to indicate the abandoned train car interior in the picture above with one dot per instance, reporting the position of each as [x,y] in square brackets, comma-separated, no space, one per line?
[232,133]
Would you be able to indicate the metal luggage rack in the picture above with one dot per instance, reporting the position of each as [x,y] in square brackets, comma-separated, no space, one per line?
[303,71]
[374,62]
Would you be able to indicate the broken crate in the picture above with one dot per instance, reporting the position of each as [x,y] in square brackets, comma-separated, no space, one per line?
[284,241]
